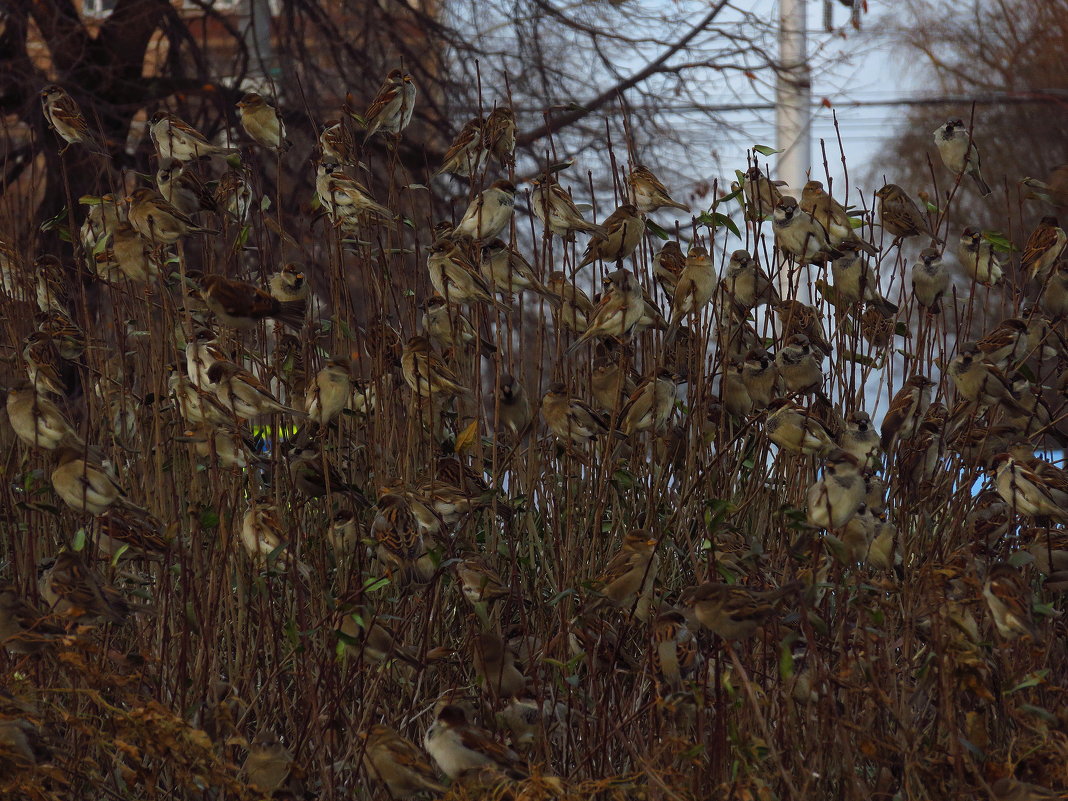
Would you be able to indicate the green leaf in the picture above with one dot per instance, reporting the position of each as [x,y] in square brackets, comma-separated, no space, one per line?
[559,166]
[101,243]
[118,554]
[560,596]
[373,584]
[265,203]
[316,203]
[730,196]
[209,518]
[242,237]
[860,358]
[764,150]
[418,186]
[1038,711]
[90,200]
[77,544]
[656,230]
[976,750]
[902,330]
[786,662]
[999,241]
[1021,558]
[1033,680]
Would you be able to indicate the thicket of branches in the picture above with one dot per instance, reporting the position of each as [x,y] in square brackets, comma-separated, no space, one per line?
[891,665]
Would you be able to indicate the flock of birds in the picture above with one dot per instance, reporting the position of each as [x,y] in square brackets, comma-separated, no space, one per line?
[1004,401]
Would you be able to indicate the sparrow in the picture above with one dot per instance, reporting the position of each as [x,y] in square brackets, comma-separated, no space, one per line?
[648,193]
[68,338]
[233,194]
[38,422]
[83,481]
[447,327]
[241,392]
[71,587]
[499,134]
[668,265]
[856,281]
[230,446]
[242,305]
[290,285]
[694,289]
[367,637]
[337,144]
[1054,298]
[262,537]
[479,581]
[263,123]
[761,194]
[65,117]
[131,533]
[330,392]
[1032,487]
[570,419]
[397,763]
[832,215]
[505,269]
[981,384]
[195,405]
[314,476]
[557,211]
[959,154]
[855,538]
[796,429]
[489,212]
[611,385]
[157,220]
[456,278]
[345,199]
[1009,789]
[576,308]
[900,216]
[733,393]
[860,439]
[930,280]
[178,140]
[513,406]
[623,230]
[799,365]
[760,375]
[51,279]
[201,352]
[23,627]
[183,188]
[458,747]
[399,544]
[746,283]
[733,611]
[629,574]
[343,533]
[618,312]
[676,655]
[45,368]
[797,318]
[426,373]
[128,253]
[268,763]
[391,110]
[467,154]
[1042,250]
[798,234]
[978,258]
[1009,601]
[1007,344]
[906,411]
[838,495]
[494,664]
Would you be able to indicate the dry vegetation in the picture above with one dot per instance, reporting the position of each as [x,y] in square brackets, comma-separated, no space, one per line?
[266,588]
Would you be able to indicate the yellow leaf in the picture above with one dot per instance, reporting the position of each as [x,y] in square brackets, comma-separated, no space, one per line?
[466,439]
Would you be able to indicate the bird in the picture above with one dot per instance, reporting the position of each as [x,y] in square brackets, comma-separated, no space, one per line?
[796,429]
[839,493]
[447,327]
[834,218]
[733,611]
[268,764]
[611,384]
[982,385]
[668,265]
[290,285]
[1031,487]
[900,216]
[242,393]
[315,476]
[346,200]
[796,317]
[241,305]
[1009,601]
[930,280]
[552,205]
[85,482]
[629,574]
[746,284]
[176,139]
[181,186]
[760,375]
[861,439]
[337,143]
[1043,249]
[618,312]
[455,277]
[798,234]
[650,405]
[513,406]
[761,194]
[576,308]
[499,134]
[38,422]
[230,446]
[676,655]
[959,153]
[65,117]
[425,373]
[468,153]
[262,122]
[1054,297]
[489,212]
[648,193]
[856,281]
[507,271]
[71,587]
[479,582]
[24,629]
[458,747]
[571,419]
[906,411]
[397,763]
[330,391]
[623,230]
[1007,344]
[694,289]
[391,109]
[398,538]
[263,537]
[978,258]
[157,220]
[494,664]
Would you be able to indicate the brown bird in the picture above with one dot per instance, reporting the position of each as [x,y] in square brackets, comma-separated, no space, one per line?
[650,405]
[623,230]
[676,655]
[83,481]
[733,611]
[570,419]
[1009,601]
[71,587]
[458,747]
[498,134]
[176,139]
[619,311]
[629,574]
[906,411]
[762,194]
[555,208]
[513,410]
[241,305]
[648,193]
[494,663]
[832,215]
[397,763]
[1043,249]
[797,318]
[467,154]
[65,117]
[262,122]
[398,538]
[24,629]
[900,215]
[157,220]
[425,372]
[392,107]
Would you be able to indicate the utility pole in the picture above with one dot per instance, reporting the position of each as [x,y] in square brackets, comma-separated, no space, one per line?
[793,96]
